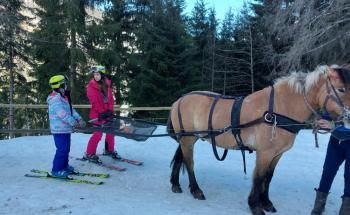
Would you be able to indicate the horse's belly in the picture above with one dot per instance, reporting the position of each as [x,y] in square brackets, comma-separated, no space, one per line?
[228,141]
[225,140]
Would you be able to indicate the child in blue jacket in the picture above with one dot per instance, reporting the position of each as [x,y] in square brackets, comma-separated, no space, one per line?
[63,118]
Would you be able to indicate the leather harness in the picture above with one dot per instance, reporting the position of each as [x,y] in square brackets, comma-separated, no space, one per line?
[269,117]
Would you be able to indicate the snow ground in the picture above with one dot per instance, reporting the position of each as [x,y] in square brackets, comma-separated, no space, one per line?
[146,189]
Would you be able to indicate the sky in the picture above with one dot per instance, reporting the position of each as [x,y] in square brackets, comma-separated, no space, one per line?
[221,6]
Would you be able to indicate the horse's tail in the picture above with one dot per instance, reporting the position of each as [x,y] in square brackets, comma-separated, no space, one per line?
[177,162]
[170,128]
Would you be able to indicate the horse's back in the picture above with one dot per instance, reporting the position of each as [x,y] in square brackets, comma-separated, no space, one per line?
[195,108]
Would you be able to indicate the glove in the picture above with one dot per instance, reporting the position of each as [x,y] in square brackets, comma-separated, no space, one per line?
[109,113]
[82,123]
[75,124]
[105,115]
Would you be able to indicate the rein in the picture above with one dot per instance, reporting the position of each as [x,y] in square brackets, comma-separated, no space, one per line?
[335,97]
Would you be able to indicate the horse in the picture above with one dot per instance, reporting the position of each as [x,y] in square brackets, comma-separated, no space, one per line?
[296,97]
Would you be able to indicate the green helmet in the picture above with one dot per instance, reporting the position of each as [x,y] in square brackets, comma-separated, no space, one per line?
[98,68]
[56,81]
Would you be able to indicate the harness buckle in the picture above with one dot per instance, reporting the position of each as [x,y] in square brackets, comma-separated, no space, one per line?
[226,129]
[268,117]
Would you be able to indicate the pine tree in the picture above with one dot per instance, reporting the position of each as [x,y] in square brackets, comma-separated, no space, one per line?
[164,56]
[110,43]
[14,58]
[58,44]
[200,32]
[265,44]
[227,30]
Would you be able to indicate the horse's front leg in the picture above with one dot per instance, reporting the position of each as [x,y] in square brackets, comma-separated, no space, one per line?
[254,200]
[265,200]
[258,198]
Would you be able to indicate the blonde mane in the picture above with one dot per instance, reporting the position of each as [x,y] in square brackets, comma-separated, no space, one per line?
[302,82]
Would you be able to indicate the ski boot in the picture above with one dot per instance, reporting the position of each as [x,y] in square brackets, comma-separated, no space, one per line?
[113,154]
[60,174]
[69,169]
[92,158]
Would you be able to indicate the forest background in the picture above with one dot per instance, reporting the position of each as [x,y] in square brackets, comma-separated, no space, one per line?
[155,52]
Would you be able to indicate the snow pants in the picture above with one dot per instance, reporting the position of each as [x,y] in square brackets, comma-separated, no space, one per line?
[337,153]
[95,139]
[62,142]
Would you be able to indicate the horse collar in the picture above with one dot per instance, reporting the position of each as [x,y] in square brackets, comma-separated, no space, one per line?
[281,121]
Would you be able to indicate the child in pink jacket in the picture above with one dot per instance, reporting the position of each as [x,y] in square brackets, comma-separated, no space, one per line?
[99,92]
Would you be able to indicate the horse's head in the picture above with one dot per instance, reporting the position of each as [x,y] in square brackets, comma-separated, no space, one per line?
[334,95]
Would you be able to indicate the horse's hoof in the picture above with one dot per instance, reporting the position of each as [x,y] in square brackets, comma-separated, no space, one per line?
[257,211]
[176,189]
[269,208]
[198,194]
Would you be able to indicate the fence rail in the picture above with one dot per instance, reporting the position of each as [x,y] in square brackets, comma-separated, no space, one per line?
[24,131]
[78,106]
[83,106]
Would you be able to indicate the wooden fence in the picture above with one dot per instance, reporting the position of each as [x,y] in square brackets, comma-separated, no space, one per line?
[116,107]
[77,106]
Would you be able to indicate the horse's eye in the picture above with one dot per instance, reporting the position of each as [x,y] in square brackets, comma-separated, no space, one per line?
[341,90]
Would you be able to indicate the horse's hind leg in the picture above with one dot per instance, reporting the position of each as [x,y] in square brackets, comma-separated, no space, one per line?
[264,196]
[262,179]
[187,144]
[184,156]
[177,162]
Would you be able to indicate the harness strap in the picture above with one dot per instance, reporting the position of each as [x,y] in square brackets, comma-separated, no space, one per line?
[336,97]
[281,121]
[284,122]
[210,131]
[182,131]
[272,99]
[208,94]
[235,122]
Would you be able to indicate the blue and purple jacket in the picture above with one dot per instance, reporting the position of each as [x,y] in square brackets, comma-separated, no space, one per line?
[61,119]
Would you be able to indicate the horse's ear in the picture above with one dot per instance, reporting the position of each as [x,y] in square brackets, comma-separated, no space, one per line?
[333,74]
[335,77]
[340,77]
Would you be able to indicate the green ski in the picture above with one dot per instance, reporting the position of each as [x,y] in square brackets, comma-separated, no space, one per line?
[99,175]
[69,179]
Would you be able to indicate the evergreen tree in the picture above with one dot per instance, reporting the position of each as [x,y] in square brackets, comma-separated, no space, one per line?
[200,32]
[14,59]
[58,45]
[266,46]
[227,30]
[162,63]
[110,43]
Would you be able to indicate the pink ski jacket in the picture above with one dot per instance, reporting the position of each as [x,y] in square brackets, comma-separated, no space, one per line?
[97,102]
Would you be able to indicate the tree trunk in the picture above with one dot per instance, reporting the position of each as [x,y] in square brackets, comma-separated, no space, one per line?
[73,65]
[213,64]
[251,59]
[11,109]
